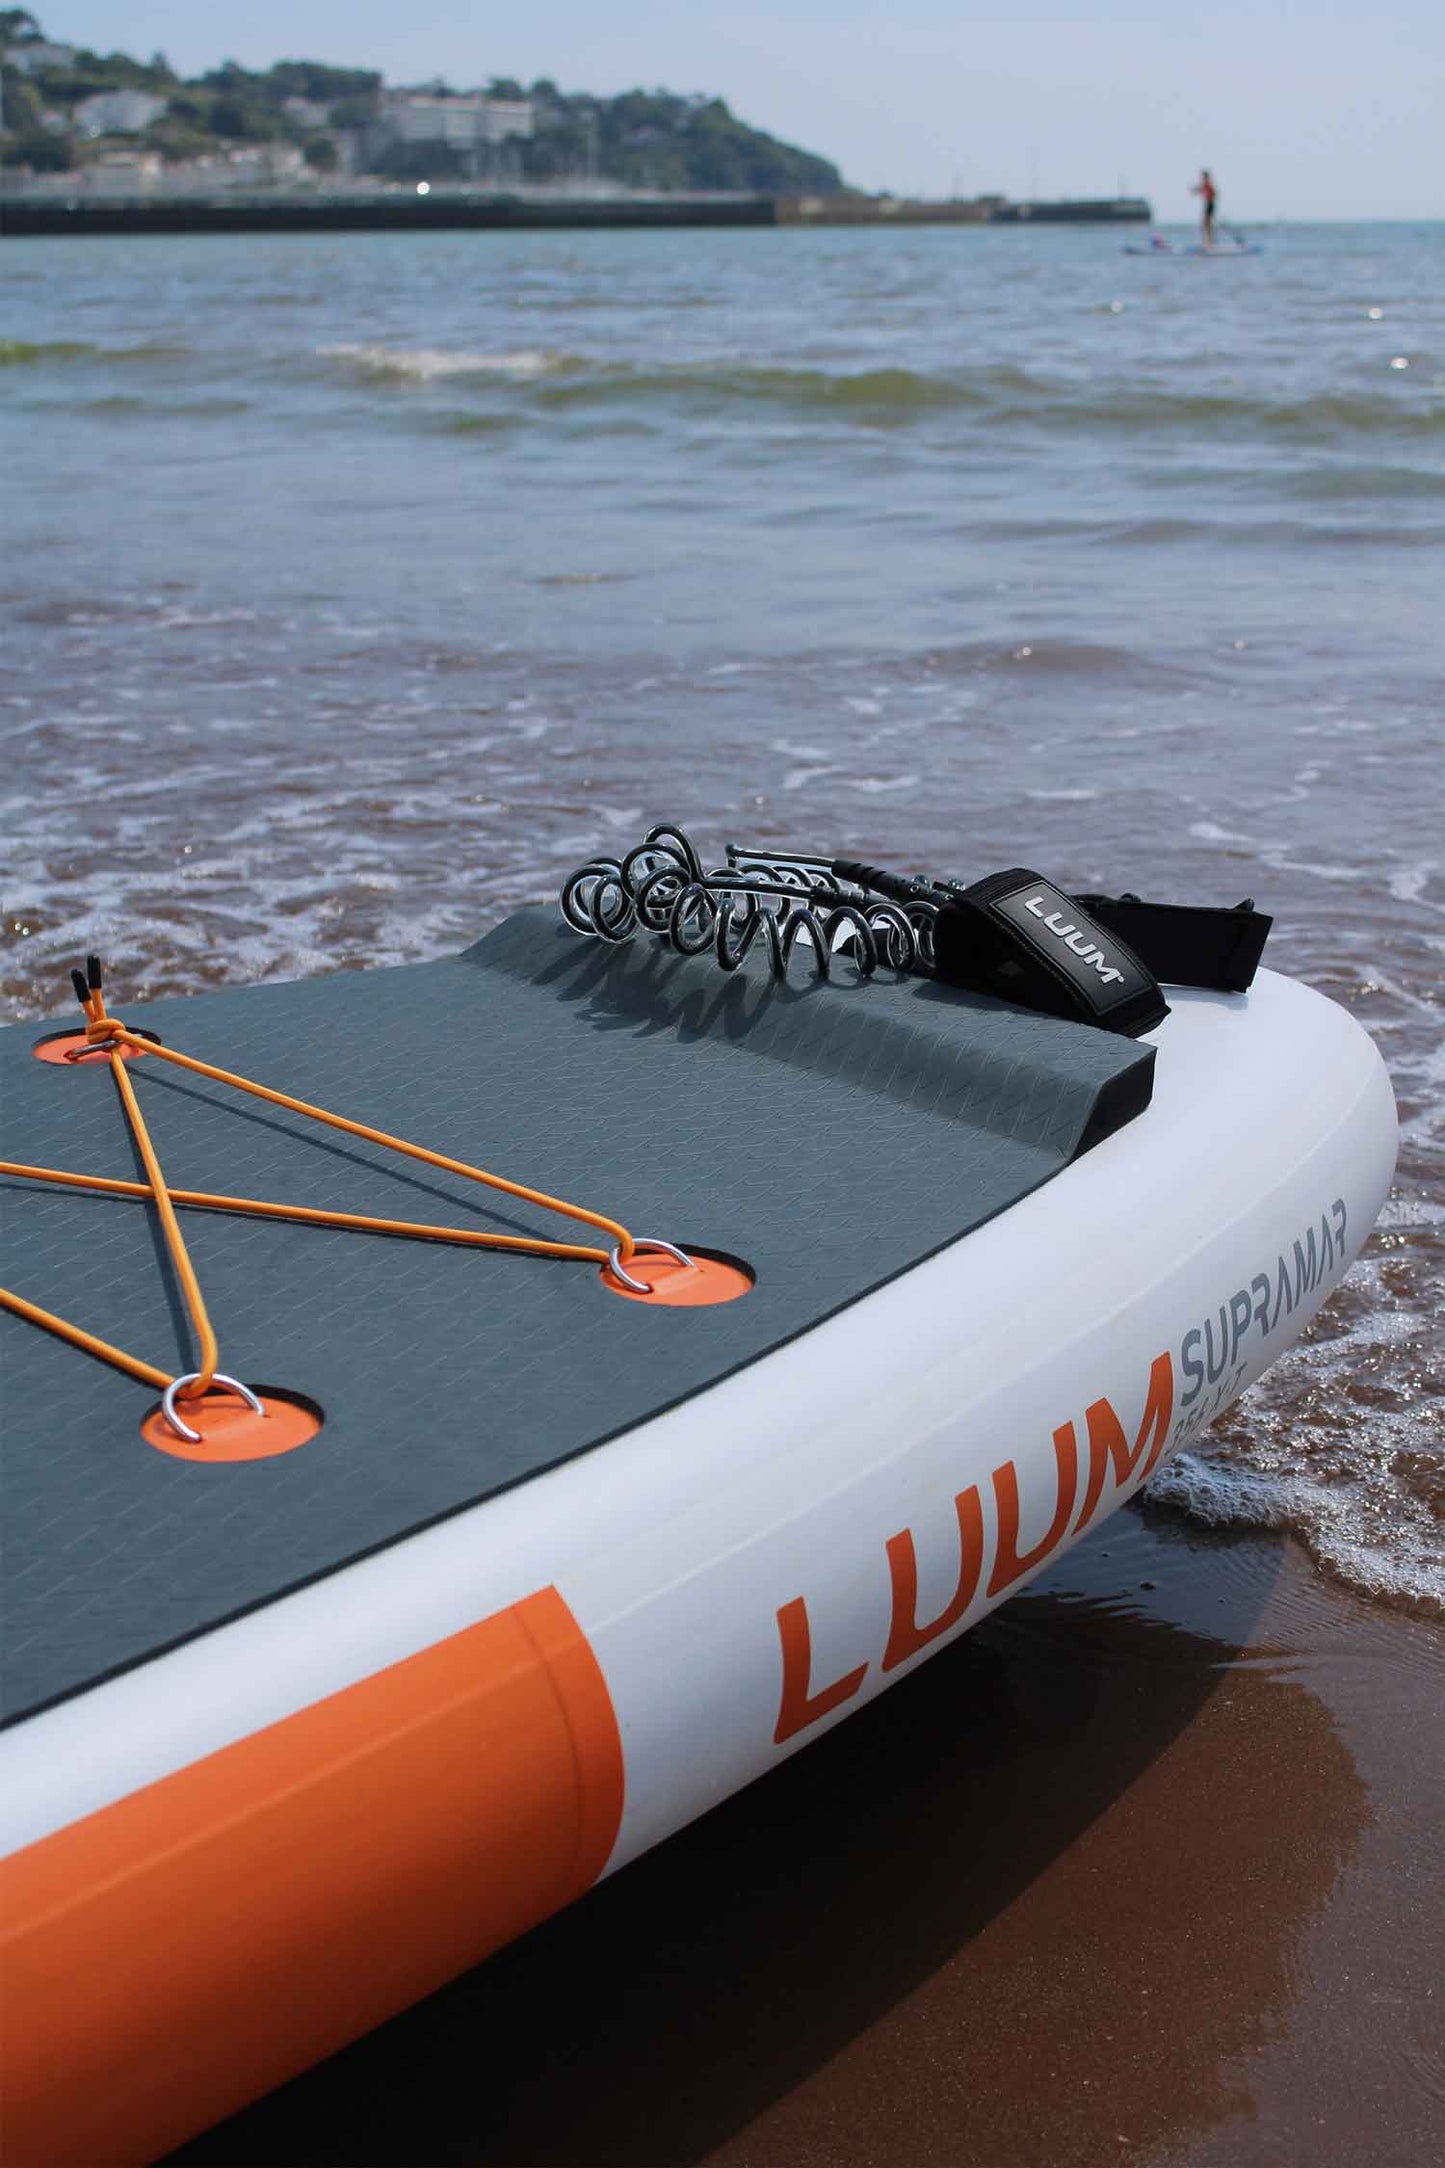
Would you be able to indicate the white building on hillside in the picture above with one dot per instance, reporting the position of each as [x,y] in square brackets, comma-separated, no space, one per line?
[38,53]
[469,121]
[118,112]
[126,173]
[306,112]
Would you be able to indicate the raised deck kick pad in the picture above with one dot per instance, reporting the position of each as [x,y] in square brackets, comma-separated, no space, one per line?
[831,1136]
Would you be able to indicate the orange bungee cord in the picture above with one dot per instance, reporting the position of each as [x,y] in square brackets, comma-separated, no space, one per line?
[106,1037]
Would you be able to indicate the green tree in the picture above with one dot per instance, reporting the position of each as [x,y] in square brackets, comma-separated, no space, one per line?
[323,85]
[646,138]
[42,152]
[657,139]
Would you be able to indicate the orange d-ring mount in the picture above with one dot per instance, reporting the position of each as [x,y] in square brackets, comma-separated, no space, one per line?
[74,1049]
[677,1279]
[226,1426]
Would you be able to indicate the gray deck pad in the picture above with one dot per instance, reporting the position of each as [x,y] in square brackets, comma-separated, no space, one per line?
[830,1136]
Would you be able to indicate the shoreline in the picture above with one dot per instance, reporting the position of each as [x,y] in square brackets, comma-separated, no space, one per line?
[443,209]
[1146,1867]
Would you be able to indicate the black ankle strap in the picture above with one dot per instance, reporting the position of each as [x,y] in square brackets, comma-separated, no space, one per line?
[1188,944]
[1017,937]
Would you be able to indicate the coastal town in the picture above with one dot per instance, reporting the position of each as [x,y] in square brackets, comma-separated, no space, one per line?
[94,142]
[77,119]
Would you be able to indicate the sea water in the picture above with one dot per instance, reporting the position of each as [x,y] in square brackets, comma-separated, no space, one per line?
[355,587]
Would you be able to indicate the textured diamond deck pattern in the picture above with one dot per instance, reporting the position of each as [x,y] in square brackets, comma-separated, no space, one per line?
[831,1136]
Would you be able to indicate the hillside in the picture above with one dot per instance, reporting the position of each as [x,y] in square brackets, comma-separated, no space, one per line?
[323,117]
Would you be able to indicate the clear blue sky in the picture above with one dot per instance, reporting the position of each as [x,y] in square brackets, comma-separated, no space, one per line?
[1306,110]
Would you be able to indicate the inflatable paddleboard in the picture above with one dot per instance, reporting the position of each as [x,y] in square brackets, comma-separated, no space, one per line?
[538,1562]
[1196,248]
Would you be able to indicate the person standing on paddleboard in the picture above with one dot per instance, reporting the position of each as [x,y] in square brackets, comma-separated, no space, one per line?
[1205,187]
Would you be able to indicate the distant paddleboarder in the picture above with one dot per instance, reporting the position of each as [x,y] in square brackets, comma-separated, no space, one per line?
[1206,188]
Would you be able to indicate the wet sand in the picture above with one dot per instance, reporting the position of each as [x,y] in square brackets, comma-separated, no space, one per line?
[1147,1868]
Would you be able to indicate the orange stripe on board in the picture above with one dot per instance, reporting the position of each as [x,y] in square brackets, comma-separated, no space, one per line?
[173,1955]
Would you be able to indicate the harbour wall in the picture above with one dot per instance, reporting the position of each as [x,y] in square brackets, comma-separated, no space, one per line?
[49,215]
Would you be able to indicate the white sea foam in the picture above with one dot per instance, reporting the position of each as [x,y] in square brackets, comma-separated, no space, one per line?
[1369,1539]
[796,751]
[1211,832]
[430,364]
[1408,884]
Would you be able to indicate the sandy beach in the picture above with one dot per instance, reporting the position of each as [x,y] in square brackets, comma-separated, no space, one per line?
[1148,1868]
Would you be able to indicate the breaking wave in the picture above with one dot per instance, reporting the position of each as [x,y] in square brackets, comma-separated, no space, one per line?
[434,364]
[1003,391]
[893,393]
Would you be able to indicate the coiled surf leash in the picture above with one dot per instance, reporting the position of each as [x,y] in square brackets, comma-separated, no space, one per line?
[1093,959]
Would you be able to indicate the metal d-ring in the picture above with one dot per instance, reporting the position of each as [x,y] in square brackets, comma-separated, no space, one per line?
[112,1045]
[190,1377]
[644,1242]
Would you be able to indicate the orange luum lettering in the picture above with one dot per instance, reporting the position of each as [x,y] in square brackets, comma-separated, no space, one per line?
[905,1636]
[799,1708]
[1010,1564]
[1106,1436]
